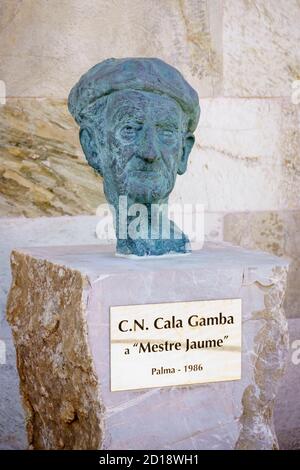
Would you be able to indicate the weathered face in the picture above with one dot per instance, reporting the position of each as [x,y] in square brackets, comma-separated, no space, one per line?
[144,144]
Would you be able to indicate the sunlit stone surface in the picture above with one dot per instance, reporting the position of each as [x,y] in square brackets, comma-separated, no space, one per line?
[60,322]
[275,232]
[66,38]
[260,53]
[247,155]
[42,170]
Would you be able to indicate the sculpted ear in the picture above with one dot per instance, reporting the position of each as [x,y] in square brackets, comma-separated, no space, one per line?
[187,147]
[88,145]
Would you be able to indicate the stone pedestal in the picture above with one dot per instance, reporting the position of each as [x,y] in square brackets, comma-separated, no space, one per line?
[58,308]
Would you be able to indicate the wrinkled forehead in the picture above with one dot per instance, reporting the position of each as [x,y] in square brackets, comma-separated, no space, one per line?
[141,103]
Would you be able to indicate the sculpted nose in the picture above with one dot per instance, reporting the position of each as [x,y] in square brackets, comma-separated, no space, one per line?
[149,152]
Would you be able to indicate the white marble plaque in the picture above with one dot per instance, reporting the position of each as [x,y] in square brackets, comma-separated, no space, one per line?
[178,343]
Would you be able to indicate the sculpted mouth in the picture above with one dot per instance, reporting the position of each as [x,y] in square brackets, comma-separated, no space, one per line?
[146,171]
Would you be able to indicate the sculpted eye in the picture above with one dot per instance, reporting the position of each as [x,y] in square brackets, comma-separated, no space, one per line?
[129,132]
[167,134]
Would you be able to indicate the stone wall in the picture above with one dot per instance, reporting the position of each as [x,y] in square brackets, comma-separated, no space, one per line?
[242,56]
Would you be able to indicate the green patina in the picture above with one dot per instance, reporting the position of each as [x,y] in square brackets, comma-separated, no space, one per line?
[137,117]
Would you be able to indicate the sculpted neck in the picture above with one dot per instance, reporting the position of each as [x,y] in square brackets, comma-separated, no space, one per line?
[146,230]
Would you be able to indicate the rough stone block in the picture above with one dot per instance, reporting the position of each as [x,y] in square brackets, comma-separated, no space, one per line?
[260,52]
[67,38]
[277,232]
[287,411]
[246,157]
[16,232]
[241,144]
[58,308]
[42,168]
